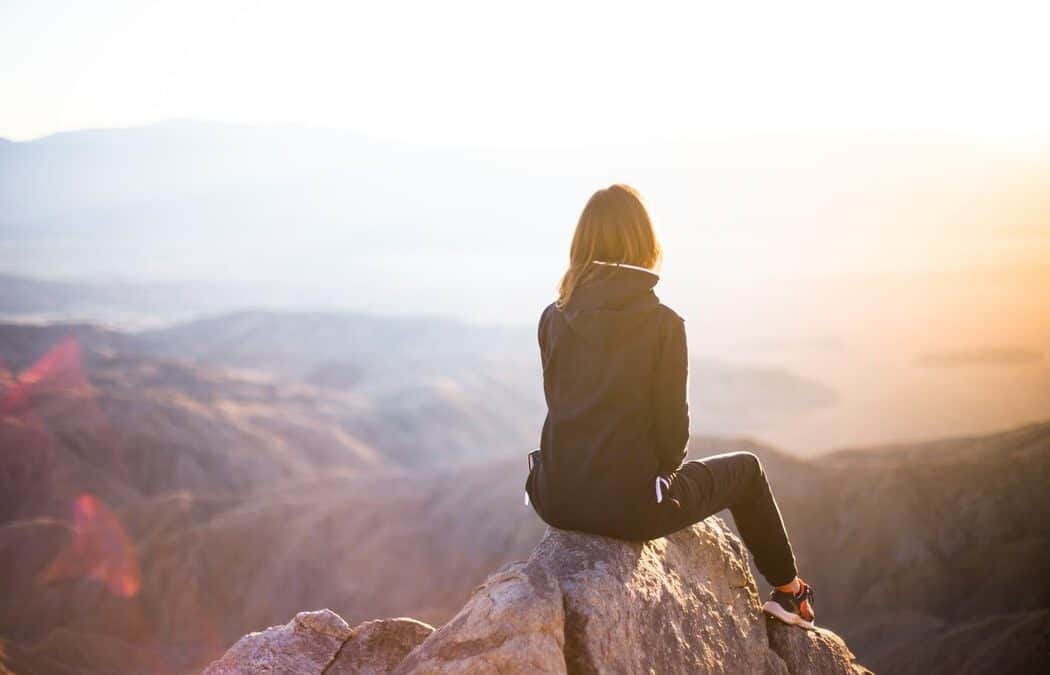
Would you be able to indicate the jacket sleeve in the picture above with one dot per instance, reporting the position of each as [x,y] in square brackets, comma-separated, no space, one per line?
[543,331]
[670,405]
[541,334]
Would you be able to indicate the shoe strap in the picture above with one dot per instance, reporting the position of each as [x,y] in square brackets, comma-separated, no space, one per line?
[804,593]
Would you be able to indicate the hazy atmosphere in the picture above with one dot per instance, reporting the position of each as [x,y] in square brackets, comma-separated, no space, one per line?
[270,277]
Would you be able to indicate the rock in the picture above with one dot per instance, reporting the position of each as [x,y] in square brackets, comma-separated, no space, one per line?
[513,623]
[322,642]
[587,604]
[377,647]
[811,651]
[306,644]
[686,603]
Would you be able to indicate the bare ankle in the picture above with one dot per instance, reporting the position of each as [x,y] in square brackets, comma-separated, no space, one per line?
[793,588]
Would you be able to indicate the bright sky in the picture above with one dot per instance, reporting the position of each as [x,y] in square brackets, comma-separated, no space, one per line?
[495,74]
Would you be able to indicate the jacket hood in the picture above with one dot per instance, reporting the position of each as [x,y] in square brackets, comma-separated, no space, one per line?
[611,302]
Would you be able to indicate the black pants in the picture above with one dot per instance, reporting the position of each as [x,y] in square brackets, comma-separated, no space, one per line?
[734,481]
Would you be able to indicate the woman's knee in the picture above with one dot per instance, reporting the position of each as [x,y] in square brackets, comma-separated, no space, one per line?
[742,468]
[752,462]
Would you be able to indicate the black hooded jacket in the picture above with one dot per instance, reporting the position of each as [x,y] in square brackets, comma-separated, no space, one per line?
[614,376]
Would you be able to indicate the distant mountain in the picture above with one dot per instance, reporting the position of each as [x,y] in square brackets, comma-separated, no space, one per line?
[483,233]
[298,342]
[128,305]
[288,207]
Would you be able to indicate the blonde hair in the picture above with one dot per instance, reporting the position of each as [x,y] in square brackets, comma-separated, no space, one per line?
[614,228]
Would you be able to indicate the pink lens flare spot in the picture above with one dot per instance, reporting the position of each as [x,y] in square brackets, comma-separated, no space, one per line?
[100,550]
[60,366]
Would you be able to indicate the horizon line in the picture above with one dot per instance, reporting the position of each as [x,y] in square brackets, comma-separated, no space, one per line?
[713,136]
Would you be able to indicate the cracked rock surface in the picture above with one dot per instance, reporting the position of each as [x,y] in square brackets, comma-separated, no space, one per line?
[686,603]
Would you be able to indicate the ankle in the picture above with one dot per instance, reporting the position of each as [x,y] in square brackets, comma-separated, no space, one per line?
[793,588]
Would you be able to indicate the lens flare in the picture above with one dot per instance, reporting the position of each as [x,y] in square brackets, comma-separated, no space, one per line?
[59,367]
[100,550]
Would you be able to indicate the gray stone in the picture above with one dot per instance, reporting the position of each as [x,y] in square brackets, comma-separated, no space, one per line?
[812,651]
[305,645]
[377,647]
[513,623]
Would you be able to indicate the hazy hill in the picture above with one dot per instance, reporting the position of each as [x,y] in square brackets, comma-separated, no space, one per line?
[424,402]
[419,388]
[301,342]
[128,304]
[126,428]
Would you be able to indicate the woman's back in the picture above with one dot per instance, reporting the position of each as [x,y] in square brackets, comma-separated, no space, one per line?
[614,379]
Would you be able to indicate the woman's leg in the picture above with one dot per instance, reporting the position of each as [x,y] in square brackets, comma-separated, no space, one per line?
[737,481]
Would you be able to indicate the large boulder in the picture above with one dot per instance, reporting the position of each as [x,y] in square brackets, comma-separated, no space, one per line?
[686,603]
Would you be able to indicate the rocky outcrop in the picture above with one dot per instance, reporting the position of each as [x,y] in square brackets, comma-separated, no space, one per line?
[580,604]
[321,642]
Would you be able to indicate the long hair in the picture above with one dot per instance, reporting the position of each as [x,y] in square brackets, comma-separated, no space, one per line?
[614,228]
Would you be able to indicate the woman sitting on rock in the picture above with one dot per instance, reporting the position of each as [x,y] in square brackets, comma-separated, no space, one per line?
[617,426]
